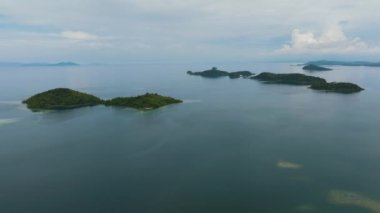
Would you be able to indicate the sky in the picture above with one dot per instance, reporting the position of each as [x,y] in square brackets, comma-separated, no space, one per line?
[123,31]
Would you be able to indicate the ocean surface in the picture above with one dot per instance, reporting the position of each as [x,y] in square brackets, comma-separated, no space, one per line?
[236,146]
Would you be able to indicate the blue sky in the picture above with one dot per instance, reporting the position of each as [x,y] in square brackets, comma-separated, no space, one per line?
[121,31]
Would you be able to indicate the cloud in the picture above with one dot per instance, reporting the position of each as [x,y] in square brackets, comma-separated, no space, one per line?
[172,30]
[331,41]
[78,36]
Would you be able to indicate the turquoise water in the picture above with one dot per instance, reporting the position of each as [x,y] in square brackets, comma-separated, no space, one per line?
[219,151]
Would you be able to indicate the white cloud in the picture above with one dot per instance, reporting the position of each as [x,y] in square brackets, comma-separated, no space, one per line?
[331,41]
[78,35]
[185,30]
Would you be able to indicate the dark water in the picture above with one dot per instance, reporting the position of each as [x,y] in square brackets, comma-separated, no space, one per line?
[217,152]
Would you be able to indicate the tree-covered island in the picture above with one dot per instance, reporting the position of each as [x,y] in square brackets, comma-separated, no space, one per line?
[288,78]
[313,82]
[147,101]
[63,98]
[339,87]
[216,73]
[313,67]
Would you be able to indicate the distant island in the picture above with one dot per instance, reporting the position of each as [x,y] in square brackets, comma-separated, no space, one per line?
[64,98]
[147,101]
[315,83]
[313,67]
[216,73]
[290,78]
[344,63]
[60,64]
[340,87]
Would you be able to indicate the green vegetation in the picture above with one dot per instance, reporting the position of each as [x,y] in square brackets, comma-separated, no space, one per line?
[291,78]
[213,73]
[312,67]
[63,98]
[216,73]
[339,87]
[147,101]
[315,83]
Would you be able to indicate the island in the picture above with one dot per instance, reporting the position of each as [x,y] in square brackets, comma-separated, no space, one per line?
[60,64]
[313,82]
[147,101]
[61,98]
[313,67]
[338,87]
[344,63]
[64,98]
[288,78]
[216,73]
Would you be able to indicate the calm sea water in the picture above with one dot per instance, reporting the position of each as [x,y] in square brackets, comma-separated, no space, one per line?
[217,152]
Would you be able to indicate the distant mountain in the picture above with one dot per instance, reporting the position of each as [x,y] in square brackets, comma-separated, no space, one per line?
[60,64]
[344,63]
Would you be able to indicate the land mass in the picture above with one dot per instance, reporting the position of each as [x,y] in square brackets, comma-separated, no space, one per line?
[344,63]
[63,98]
[60,64]
[340,87]
[216,73]
[313,67]
[147,101]
[315,83]
[288,78]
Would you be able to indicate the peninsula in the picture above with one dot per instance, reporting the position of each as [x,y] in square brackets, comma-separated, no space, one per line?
[216,73]
[64,98]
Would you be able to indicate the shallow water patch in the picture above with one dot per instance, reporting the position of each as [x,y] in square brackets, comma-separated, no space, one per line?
[7,121]
[288,165]
[340,197]
[306,208]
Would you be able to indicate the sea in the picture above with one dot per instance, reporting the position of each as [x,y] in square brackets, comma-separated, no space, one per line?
[232,146]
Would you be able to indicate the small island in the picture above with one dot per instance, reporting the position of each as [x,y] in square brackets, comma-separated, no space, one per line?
[216,73]
[147,101]
[312,67]
[64,98]
[288,78]
[338,87]
[315,83]
[61,98]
